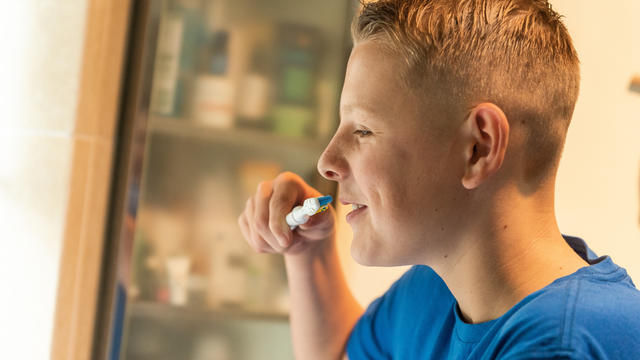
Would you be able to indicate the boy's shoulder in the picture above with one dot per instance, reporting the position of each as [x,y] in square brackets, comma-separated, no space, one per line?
[593,313]
[599,291]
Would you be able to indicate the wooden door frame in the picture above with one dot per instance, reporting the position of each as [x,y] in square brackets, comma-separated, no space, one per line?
[99,96]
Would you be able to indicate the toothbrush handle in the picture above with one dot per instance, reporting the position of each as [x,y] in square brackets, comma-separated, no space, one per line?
[296,217]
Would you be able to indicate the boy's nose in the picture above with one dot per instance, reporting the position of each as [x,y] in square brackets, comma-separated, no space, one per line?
[331,165]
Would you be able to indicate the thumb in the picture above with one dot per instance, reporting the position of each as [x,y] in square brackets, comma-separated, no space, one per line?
[318,226]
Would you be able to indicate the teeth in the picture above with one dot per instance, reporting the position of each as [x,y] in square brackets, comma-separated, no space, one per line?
[356,206]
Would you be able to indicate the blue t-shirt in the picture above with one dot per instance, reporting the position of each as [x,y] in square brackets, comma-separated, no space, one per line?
[593,313]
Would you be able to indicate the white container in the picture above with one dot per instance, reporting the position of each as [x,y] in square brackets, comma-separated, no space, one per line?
[178,274]
[212,103]
[255,98]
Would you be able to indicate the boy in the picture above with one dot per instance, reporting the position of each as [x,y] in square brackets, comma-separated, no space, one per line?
[453,119]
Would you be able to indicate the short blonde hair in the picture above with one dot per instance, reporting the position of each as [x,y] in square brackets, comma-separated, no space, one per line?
[516,54]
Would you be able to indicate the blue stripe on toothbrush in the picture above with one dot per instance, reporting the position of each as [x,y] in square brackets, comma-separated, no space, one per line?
[325,200]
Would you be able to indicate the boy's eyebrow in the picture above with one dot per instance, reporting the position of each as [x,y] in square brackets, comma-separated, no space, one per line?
[354,106]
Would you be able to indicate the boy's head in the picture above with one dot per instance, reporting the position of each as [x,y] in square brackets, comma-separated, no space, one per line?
[424,77]
[516,54]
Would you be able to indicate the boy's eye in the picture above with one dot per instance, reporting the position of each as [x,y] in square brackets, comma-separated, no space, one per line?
[362,132]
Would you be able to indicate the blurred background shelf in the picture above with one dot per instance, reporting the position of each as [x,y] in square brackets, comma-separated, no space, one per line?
[240,137]
[173,313]
[166,332]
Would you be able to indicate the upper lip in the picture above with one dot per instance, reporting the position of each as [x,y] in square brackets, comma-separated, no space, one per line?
[347,202]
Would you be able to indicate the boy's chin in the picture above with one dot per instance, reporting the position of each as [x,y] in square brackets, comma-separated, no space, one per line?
[368,258]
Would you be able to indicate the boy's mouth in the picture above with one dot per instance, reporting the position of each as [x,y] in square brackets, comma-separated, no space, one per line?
[358,209]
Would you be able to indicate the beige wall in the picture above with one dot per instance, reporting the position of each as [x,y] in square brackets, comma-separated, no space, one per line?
[598,182]
[597,193]
[59,91]
[40,67]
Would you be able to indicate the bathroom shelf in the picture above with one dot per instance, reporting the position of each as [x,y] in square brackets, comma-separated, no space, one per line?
[172,313]
[242,137]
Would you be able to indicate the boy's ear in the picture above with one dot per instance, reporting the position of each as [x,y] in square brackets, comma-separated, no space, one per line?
[487,131]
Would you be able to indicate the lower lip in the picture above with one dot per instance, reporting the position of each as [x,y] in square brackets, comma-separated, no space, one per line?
[355,213]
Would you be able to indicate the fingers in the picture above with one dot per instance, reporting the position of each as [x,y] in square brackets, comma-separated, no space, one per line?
[253,238]
[282,201]
[263,221]
[319,226]
[261,215]
[244,226]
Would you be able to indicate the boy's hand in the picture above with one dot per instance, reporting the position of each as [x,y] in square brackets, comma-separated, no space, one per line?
[263,221]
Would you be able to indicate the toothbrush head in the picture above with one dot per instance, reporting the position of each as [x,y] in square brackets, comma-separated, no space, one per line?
[325,200]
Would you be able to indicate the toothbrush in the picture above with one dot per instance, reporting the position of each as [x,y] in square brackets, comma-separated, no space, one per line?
[300,214]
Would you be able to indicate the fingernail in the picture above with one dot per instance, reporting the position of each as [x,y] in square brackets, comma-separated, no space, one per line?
[284,239]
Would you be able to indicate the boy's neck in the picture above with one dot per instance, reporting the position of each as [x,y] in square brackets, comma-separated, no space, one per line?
[495,269]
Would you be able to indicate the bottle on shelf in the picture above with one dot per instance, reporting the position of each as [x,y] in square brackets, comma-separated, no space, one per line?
[255,98]
[180,37]
[178,268]
[299,50]
[213,92]
[164,96]
[193,39]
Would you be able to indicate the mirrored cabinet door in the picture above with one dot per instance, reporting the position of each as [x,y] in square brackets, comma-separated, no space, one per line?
[240,90]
